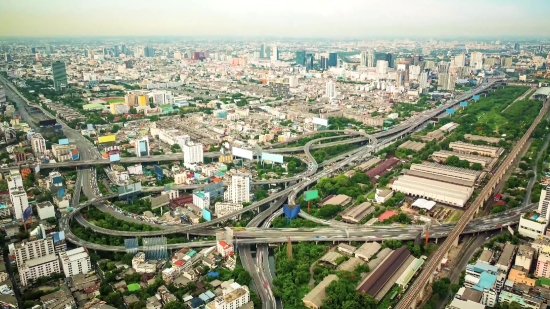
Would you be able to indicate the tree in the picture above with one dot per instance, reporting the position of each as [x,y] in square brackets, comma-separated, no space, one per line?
[174,305]
[452,160]
[115,128]
[476,167]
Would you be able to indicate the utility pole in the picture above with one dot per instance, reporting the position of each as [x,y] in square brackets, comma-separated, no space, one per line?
[289,249]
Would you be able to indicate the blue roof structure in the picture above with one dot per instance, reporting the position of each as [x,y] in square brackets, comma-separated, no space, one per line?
[486,281]
[480,267]
[213,274]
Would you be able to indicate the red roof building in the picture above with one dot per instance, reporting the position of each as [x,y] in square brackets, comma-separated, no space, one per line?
[387,214]
[382,168]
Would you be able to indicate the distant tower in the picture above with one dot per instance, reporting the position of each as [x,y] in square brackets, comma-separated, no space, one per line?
[289,249]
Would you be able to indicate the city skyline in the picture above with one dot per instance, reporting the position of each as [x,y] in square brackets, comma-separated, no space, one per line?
[285,18]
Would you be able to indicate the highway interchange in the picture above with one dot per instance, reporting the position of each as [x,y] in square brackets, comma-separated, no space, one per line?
[258,231]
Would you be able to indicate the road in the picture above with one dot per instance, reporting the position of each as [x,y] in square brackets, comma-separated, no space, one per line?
[531,183]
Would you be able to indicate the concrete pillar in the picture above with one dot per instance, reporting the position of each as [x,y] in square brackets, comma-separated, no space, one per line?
[455,243]
[413,304]
[431,279]
[421,294]
[436,241]
[187,235]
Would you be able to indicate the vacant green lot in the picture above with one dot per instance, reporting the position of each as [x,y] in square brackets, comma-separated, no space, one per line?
[115,100]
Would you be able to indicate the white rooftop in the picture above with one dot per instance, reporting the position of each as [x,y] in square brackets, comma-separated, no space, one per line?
[424,204]
[75,254]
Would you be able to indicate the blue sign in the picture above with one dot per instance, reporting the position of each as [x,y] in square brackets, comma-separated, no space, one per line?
[160,172]
[475,97]
[90,127]
[64,141]
[58,236]
[27,213]
[463,103]
[206,214]
[450,111]
[291,211]
[114,157]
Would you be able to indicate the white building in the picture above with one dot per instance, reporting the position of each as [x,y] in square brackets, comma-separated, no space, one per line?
[45,210]
[27,250]
[382,68]
[192,153]
[330,90]
[201,200]
[38,143]
[39,267]
[532,226]
[180,179]
[476,60]
[14,180]
[76,261]
[234,296]
[142,148]
[239,189]
[224,249]
[20,202]
[222,208]
[423,80]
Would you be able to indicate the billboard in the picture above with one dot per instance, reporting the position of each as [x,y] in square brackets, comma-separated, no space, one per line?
[159,201]
[160,172]
[90,127]
[242,153]
[475,97]
[311,195]
[58,236]
[75,154]
[450,111]
[106,138]
[114,157]
[320,121]
[463,103]
[291,211]
[130,189]
[272,157]
[47,123]
[63,141]
[215,190]
[27,213]
[206,214]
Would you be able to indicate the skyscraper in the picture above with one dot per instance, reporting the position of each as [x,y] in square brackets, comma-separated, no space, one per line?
[324,63]
[476,60]
[517,47]
[123,49]
[149,51]
[274,53]
[59,75]
[301,57]
[117,51]
[370,59]
[263,50]
[364,58]
[423,79]
[309,61]
[332,59]
[330,90]
[239,189]
[193,153]
[389,59]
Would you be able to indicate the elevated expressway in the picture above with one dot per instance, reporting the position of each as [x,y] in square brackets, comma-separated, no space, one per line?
[417,288]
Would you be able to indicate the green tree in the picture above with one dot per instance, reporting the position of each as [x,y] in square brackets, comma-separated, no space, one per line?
[174,305]
[476,167]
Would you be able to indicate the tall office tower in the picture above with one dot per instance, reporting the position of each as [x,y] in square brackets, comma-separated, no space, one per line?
[364,58]
[90,53]
[149,51]
[423,80]
[20,202]
[274,53]
[324,63]
[332,59]
[193,153]
[123,49]
[447,81]
[389,59]
[116,51]
[59,75]
[370,59]
[476,60]
[460,60]
[239,189]
[507,62]
[35,259]
[544,201]
[517,47]
[38,143]
[301,57]
[33,50]
[86,53]
[330,90]
[142,147]
[442,80]
[7,57]
[443,67]
[49,49]
[382,67]
[3,99]
[309,61]
[262,50]
[75,262]
[400,78]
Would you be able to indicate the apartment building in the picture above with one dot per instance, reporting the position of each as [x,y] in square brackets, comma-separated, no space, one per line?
[38,143]
[36,258]
[239,189]
[193,153]
[234,296]
[76,261]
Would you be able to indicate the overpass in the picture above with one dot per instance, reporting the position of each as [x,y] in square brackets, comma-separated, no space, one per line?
[416,291]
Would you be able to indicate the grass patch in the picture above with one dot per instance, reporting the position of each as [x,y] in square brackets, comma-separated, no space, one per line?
[115,100]
[454,217]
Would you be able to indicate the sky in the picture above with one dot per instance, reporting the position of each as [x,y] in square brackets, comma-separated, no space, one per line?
[279,18]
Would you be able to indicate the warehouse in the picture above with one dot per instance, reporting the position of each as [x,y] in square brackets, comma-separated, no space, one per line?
[377,279]
[483,150]
[380,257]
[357,213]
[340,199]
[412,145]
[367,250]
[382,168]
[369,164]
[393,279]
[446,179]
[445,170]
[330,257]
[486,162]
[314,299]
[491,140]
[409,273]
[451,126]
[435,190]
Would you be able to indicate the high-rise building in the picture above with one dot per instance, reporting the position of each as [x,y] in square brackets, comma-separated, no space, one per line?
[309,61]
[239,189]
[274,53]
[20,202]
[7,57]
[460,60]
[389,59]
[324,63]
[38,143]
[400,78]
[35,259]
[332,59]
[517,47]
[330,90]
[382,67]
[235,296]
[123,49]
[443,67]
[262,50]
[149,51]
[364,58]
[476,60]
[59,75]
[507,62]
[370,59]
[116,51]
[301,57]
[3,99]
[447,81]
[75,262]
[193,153]
[33,50]
[423,80]
[544,203]
[142,147]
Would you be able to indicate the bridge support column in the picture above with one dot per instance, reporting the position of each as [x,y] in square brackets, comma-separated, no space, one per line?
[187,235]
[455,243]
[421,294]
[436,241]
[431,279]
[413,304]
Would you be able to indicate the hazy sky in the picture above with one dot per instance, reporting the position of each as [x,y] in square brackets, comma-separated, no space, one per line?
[319,18]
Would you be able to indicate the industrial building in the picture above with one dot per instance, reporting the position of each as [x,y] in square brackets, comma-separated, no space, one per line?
[369,164]
[483,150]
[377,279]
[412,145]
[340,199]
[314,299]
[446,193]
[448,171]
[491,140]
[367,250]
[357,213]
[382,168]
[486,162]
[330,257]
